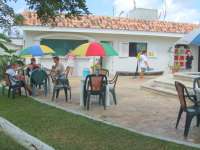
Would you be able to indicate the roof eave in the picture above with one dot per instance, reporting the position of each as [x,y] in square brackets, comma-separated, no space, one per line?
[101,31]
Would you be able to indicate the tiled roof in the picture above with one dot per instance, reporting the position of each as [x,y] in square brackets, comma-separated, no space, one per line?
[114,23]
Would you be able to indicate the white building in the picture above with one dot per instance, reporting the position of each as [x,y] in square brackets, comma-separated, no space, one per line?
[125,35]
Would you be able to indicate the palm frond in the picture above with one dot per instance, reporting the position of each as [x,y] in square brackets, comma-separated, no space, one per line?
[3,46]
[3,37]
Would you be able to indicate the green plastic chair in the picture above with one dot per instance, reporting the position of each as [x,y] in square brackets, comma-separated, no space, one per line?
[61,84]
[39,78]
[191,111]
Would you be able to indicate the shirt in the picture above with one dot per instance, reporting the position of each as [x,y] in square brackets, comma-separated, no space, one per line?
[11,72]
[142,60]
[59,69]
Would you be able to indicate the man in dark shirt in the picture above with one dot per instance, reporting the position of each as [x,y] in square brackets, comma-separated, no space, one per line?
[32,66]
[189,59]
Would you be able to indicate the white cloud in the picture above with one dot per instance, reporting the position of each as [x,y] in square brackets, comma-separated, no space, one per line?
[180,12]
[176,10]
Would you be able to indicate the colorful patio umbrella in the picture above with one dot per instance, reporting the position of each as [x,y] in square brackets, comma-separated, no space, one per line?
[94,49]
[36,50]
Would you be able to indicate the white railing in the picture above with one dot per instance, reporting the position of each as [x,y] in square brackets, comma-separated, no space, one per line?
[21,137]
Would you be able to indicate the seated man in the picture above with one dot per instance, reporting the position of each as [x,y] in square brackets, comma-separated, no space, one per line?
[17,79]
[32,66]
[58,70]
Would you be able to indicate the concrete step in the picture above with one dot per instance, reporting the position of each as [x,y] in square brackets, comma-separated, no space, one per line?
[165,85]
[159,90]
[170,84]
[187,76]
[182,78]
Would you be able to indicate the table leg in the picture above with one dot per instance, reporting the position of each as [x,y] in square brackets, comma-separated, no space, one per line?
[81,93]
[107,96]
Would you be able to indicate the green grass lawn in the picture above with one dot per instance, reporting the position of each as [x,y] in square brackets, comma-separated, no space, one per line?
[65,131]
[7,143]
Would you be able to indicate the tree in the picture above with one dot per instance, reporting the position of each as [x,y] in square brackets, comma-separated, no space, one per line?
[47,10]
[7,56]
[6,14]
[18,19]
[3,39]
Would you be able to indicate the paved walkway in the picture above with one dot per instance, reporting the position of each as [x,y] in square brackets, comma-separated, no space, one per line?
[137,109]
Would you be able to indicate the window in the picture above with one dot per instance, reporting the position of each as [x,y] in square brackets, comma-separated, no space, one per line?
[134,48]
[131,49]
[62,46]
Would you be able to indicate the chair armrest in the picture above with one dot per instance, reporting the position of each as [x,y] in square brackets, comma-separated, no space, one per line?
[192,98]
[191,92]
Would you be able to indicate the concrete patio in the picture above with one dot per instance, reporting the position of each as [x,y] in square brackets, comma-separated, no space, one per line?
[137,109]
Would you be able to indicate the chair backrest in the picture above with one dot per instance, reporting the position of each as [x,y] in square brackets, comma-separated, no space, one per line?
[104,71]
[38,77]
[181,89]
[196,83]
[114,80]
[67,71]
[95,83]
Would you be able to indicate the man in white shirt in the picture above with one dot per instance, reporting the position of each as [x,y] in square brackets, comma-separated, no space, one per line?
[143,63]
[17,79]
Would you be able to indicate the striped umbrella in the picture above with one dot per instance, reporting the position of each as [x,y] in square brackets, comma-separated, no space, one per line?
[36,50]
[94,49]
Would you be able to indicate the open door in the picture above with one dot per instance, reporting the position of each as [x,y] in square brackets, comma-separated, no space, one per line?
[199,60]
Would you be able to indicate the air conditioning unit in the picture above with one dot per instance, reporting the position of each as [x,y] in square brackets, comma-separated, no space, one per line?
[143,14]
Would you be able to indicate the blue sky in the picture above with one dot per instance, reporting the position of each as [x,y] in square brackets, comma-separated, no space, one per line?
[177,10]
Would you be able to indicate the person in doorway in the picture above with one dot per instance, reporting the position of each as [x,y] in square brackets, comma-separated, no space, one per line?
[17,79]
[143,63]
[189,59]
[70,64]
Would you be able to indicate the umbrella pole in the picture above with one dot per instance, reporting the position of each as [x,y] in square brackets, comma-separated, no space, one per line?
[101,62]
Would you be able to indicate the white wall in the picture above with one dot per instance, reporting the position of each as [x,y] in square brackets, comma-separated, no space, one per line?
[160,45]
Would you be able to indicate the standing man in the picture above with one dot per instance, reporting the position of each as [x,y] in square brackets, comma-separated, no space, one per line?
[189,59]
[137,67]
[143,63]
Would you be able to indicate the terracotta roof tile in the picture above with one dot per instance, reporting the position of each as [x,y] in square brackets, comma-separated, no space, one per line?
[115,23]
